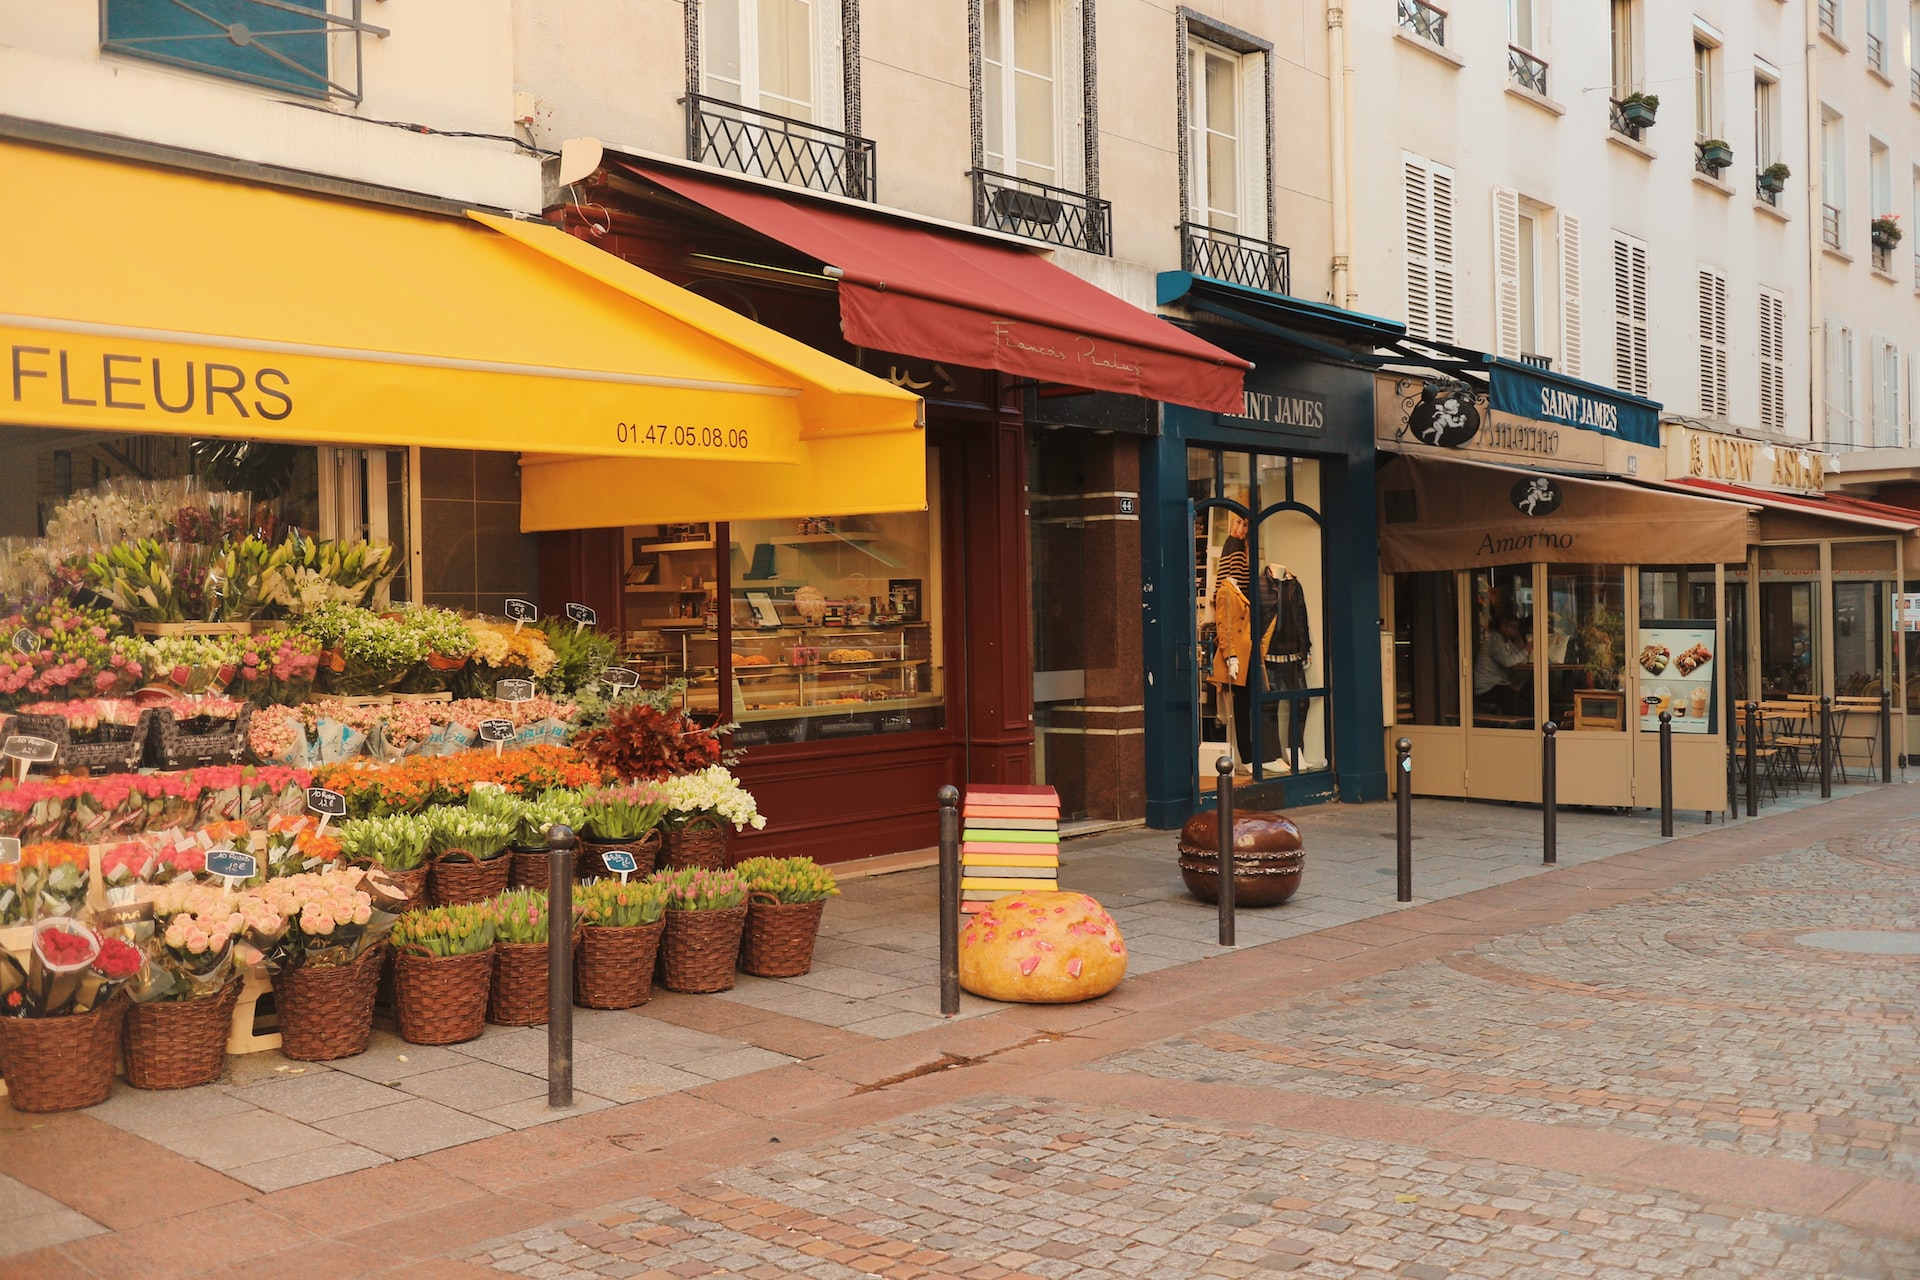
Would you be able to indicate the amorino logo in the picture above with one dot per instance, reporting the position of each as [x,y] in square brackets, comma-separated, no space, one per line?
[1578,411]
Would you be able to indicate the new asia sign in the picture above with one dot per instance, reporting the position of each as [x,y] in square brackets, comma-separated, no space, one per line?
[1708,455]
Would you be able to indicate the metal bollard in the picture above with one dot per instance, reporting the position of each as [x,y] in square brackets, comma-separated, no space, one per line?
[1826,747]
[1753,759]
[949,797]
[1550,793]
[1886,736]
[1223,795]
[559,966]
[1666,773]
[1403,819]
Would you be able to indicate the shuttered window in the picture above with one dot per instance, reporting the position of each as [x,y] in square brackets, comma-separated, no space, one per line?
[1572,323]
[1428,197]
[1773,360]
[1510,258]
[1713,343]
[1840,425]
[1630,315]
[1886,394]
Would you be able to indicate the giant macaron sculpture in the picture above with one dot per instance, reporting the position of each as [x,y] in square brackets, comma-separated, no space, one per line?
[1042,948]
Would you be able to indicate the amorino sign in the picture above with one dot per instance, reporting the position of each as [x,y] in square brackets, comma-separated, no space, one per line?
[1526,392]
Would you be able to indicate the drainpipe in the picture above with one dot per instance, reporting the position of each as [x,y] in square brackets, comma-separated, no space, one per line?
[1816,200]
[1340,108]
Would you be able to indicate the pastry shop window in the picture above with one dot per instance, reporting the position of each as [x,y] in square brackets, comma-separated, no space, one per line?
[1258,574]
[1863,577]
[1586,641]
[1426,648]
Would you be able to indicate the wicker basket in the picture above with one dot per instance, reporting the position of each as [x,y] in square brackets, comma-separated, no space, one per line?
[517,996]
[778,939]
[120,751]
[701,843]
[414,882]
[646,851]
[177,1044]
[173,743]
[458,879]
[328,1013]
[529,869]
[613,968]
[61,1064]
[701,948]
[441,999]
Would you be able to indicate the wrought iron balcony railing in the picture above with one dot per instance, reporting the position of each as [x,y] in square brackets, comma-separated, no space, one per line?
[748,140]
[1913,85]
[1023,207]
[1916,271]
[1539,362]
[1429,22]
[1764,192]
[1830,226]
[1877,52]
[1617,121]
[1830,17]
[1883,258]
[1526,70]
[1236,259]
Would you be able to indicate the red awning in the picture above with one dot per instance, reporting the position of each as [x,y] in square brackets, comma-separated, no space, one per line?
[1832,506]
[919,292]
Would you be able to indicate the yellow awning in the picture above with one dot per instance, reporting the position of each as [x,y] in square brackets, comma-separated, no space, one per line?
[135,298]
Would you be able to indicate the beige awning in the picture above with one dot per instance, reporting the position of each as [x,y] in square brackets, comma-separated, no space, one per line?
[1439,514]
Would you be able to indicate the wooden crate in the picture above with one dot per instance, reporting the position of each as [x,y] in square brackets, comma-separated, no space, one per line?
[254,1031]
[193,628]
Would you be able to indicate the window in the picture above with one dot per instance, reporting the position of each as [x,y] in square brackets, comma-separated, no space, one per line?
[1520,23]
[1020,96]
[1523,39]
[1713,343]
[1525,286]
[1773,360]
[1706,119]
[1766,120]
[1428,194]
[1630,314]
[281,44]
[1830,17]
[1885,392]
[1913,51]
[1833,178]
[1214,135]
[1877,36]
[759,54]
[1879,178]
[1426,648]
[1624,66]
[1839,378]
[1573,328]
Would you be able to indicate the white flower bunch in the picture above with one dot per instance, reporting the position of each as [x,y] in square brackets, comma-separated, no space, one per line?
[712,790]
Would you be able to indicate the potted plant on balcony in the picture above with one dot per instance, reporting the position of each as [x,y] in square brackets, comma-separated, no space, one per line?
[1886,231]
[1638,109]
[1774,177]
[1716,153]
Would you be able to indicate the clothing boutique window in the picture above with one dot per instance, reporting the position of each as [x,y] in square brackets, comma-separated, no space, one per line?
[1426,648]
[1503,650]
[1586,646]
[1258,587]
[1789,620]
[1862,581]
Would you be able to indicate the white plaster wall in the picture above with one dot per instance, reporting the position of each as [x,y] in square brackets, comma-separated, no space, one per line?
[447,65]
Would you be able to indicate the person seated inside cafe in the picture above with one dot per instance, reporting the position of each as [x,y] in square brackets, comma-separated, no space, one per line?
[1503,669]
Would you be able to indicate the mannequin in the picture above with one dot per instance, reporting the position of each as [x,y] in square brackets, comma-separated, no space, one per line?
[1233,626]
[1286,648]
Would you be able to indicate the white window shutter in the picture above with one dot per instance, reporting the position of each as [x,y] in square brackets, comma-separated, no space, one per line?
[1630,315]
[1442,254]
[1506,272]
[1713,342]
[1773,356]
[1572,319]
[1418,199]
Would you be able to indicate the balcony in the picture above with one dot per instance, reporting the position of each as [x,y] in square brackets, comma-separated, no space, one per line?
[1023,207]
[1913,86]
[1883,259]
[1876,53]
[1527,71]
[1421,19]
[1236,259]
[1830,226]
[1830,17]
[795,152]
[1764,193]
[1618,122]
[1542,363]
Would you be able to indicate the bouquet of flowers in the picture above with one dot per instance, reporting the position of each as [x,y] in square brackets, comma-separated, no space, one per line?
[75,657]
[445,931]
[615,815]
[192,948]
[501,653]
[16,907]
[329,917]
[137,578]
[319,573]
[293,845]
[398,842]
[188,664]
[715,791]
[611,904]
[362,652]
[278,735]
[85,717]
[200,713]
[239,575]
[448,642]
[110,806]
[483,835]
[277,668]
[698,889]
[55,875]
[786,880]
[520,915]
[553,808]
[70,969]
[173,800]
[49,812]
[579,656]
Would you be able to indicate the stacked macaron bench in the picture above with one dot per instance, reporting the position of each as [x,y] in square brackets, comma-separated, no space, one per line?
[1009,842]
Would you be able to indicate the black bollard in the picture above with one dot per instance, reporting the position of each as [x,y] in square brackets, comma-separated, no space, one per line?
[1826,747]
[949,797]
[559,966]
[1403,818]
[1886,736]
[1753,759]
[1666,773]
[1550,793]
[1223,794]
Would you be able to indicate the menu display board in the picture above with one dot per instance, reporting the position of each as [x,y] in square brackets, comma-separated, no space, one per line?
[1677,668]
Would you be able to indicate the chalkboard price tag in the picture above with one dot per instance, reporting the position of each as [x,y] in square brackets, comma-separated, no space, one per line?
[26,640]
[31,750]
[581,614]
[330,804]
[496,731]
[513,690]
[621,677]
[522,610]
[231,864]
[9,850]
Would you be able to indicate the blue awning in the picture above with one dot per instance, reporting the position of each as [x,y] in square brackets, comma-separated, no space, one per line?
[1276,314]
[1543,396]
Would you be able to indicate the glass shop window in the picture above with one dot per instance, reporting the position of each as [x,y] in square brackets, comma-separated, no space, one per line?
[1586,641]
[1426,648]
[1789,621]
[1503,649]
[1863,577]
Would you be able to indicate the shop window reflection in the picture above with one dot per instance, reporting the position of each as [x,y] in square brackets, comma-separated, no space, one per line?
[1789,615]
[1862,581]
[1503,648]
[1586,646]
[1426,648]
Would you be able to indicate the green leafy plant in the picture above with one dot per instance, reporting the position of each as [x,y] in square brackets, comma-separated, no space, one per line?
[520,916]
[1886,229]
[446,931]
[398,843]
[579,657]
[616,814]
[787,879]
[611,904]
[698,889]
[1777,171]
[1651,101]
[483,835]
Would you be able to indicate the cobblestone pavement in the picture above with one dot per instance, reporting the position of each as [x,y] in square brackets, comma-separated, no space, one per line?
[1004,1187]
[1691,1015]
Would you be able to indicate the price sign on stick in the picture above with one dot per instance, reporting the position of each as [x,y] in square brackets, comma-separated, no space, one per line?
[582,616]
[498,732]
[522,612]
[513,690]
[620,862]
[621,677]
[231,865]
[9,850]
[26,640]
[328,804]
[26,752]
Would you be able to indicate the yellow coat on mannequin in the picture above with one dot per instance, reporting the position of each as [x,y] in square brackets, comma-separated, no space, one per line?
[1233,626]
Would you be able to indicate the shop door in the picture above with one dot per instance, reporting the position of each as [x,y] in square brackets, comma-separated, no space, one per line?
[1503,739]
[1587,694]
